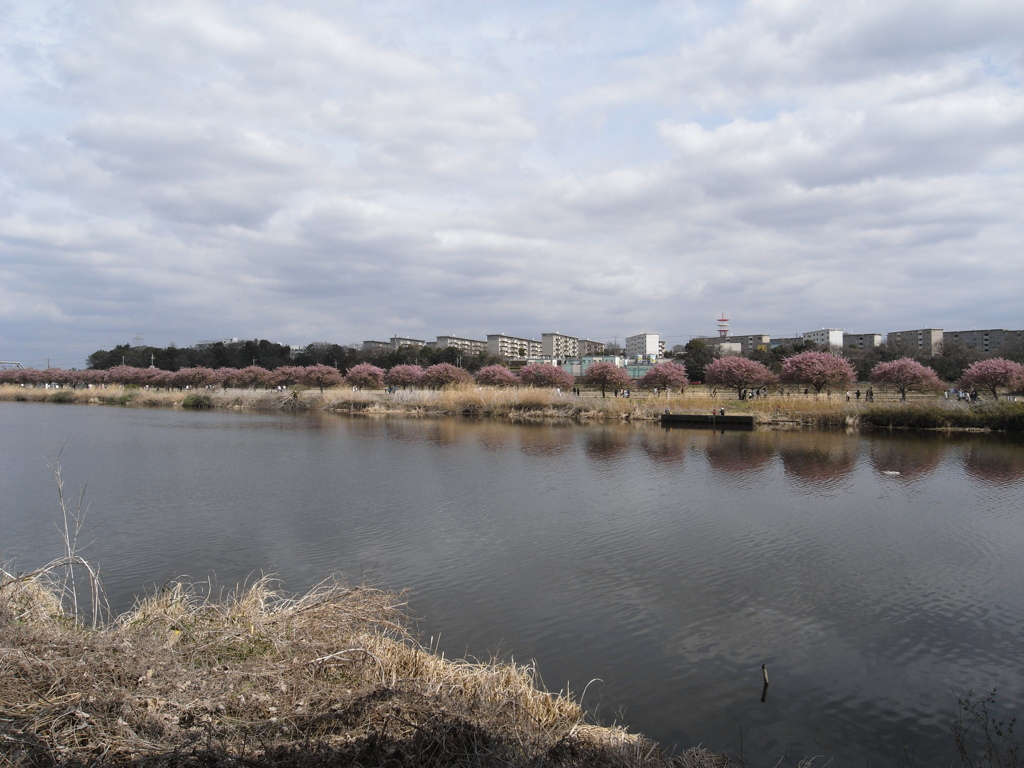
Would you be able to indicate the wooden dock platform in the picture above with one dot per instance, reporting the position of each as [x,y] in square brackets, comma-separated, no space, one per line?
[706,420]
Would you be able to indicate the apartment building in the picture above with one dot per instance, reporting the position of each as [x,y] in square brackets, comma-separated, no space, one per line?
[826,338]
[376,346]
[861,340]
[467,346]
[513,346]
[991,340]
[588,348]
[559,345]
[644,345]
[920,340]
[401,341]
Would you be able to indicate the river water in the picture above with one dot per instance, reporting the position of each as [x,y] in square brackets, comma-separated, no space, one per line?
[877,576]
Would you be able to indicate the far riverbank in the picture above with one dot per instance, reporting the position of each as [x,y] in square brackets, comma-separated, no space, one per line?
[791,411]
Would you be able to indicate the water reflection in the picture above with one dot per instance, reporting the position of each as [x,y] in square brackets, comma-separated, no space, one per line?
[907,459]
[991,462]
[819,458]
[669,563]
[739,452]
[606,443]
[545,439]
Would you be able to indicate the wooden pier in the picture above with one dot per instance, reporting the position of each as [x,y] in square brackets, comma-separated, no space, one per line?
[707,421]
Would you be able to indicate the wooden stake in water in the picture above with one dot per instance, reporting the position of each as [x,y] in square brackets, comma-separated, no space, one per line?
[764,691]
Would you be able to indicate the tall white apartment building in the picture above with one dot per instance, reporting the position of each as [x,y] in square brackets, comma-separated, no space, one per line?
[644,345]
[513,346]
[559,345]
[826,338]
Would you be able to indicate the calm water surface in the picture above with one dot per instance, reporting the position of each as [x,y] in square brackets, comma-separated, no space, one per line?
[876,576]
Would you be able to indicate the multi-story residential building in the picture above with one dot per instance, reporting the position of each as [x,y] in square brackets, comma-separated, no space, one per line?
[861,340]
[513,346]
[588,348]
[401,341]
[468,346]
[991,340]
[787,341]
[826,338]
[750,343]
[376,346]
[559,345]
[644,345]
[921,340]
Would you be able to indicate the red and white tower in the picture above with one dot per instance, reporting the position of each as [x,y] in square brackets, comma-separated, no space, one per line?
[723,327]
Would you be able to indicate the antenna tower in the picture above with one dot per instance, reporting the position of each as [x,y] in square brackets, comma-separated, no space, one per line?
[723,327]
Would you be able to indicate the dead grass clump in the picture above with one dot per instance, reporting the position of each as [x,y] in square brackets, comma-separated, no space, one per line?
[256,677]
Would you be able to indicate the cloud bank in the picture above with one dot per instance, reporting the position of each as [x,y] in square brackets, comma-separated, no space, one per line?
[343,171]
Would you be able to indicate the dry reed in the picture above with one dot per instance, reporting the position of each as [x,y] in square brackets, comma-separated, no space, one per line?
[257,678]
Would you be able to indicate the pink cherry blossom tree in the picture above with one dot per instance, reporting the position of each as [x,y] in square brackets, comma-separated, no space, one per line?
[664,376]
[321,376]
[739,373]
[445,375]
[993,374]
[365,376]
[605,376]
[496,376]
[404,376]
[819,370]
[544,375]
[906,375]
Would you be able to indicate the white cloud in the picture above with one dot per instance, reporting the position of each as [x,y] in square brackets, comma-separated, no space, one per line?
[336,170]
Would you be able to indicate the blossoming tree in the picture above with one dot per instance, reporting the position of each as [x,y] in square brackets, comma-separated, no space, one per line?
[906,375]
[739,373]
[664,376]
[365,376]
[993,374]
[496,376]
[605,376]
[818,370]
[544,375]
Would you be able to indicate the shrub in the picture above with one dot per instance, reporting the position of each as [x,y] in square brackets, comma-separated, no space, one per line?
[197,401]
[63,396]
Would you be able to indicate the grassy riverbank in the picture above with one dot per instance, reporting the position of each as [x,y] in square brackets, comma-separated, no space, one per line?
[258,678]
[527,404]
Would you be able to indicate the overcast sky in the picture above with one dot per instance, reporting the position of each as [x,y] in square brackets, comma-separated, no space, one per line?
[338,171]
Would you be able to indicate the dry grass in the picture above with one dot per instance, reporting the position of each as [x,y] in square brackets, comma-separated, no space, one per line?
[522,404]
[260,678]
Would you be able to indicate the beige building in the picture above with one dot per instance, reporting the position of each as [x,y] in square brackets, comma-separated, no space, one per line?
[590,348]
[401,341]
[559,345]
[468,346]
[861,340]
[513,346]
[991,340]
[921,340]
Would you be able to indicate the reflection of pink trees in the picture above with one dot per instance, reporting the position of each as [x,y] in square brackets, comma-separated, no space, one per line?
[739,373]
[909,458]
[993,374]
[817,458]
[738,452]
[365,376]
[818,370]
[404,376]
[544,375]
[496,376]
[997,462]
[906,375]
[664,376]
